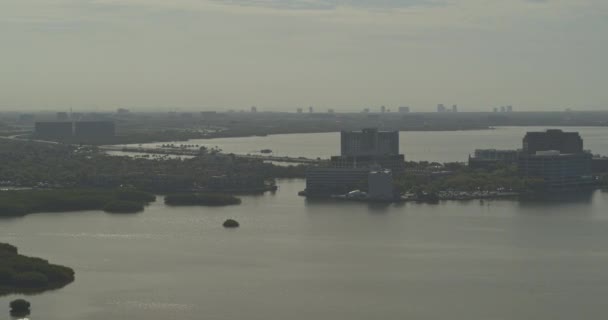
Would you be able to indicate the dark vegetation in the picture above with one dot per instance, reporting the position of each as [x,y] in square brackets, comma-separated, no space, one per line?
[121,206]
[230,223]
[31,164]
[22,274]
[429,178]
[22,202]
[200,199]
[20,308]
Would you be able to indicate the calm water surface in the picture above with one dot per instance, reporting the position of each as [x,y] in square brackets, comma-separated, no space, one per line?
[296,259]
[440,146]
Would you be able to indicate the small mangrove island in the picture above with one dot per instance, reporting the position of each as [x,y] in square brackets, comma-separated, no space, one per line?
[201,199]
[20,308]
[22,274]
[231,223]
[21,202]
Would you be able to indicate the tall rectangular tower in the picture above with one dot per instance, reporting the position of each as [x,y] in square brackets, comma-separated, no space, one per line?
[369,142]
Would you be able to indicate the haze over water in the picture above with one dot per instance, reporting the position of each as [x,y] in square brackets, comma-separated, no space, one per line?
[298,259]
[439,146]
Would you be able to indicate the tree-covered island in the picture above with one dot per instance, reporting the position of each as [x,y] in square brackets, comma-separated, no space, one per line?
[201,199]
[23,274]
[34,164]
[22,202]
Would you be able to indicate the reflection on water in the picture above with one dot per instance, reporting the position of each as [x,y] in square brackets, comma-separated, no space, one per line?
[548,200]
[150,305]
[300,259]
[379,207]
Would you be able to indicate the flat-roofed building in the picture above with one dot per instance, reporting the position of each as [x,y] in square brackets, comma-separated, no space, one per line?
[61,116]
[380,185]
[324,181]
[558,170]
[361,153]
[369,142]
[556,157]
[488,158]
[395,163]
[554,139]
[94,130]
[496,154]
[54,130]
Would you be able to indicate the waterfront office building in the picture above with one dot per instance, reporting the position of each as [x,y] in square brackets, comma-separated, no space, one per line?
[361,153]
[486,158]
[498,155]
[84,131]
[380,185]
[94,130]
[395,163]
[564,142]
[369,142]
[369,147]
[557,158]
[323,181]
[53,130]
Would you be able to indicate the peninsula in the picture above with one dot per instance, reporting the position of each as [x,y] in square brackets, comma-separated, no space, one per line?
[23,274]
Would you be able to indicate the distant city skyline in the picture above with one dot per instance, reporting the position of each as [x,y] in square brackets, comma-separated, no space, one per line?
[279,55]
[316,109]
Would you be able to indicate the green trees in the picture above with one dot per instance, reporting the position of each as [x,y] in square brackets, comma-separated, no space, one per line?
[6,276]
[20,307]
[201,199]
[121,206]
[21,202]
[230,224]
[19,273]
[31,164]
[134,195]
[31,279]
[462,178]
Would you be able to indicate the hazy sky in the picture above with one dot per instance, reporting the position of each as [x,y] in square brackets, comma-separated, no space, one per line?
[281,54]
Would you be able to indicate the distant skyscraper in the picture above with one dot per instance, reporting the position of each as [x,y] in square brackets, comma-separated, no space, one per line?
[495,109]
[503,109]
[509,108]
[382,109]
[441,108]
[310,109]
[404,109]
[254,109]
[454,108]
[299,110]
[330,110]
[366,110]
